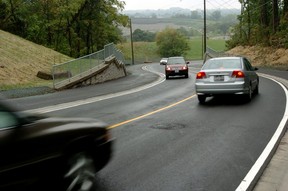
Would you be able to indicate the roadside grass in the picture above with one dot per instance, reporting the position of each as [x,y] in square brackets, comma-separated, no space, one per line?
[21,60]
[32,84]
[143,52]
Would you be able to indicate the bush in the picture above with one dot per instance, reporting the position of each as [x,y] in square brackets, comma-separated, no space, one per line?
[171,42]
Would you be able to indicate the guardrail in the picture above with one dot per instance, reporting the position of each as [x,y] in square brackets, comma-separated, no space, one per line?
[77,67]
[210,53]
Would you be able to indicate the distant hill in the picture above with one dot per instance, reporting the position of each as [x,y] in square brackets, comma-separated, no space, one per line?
[167,13]
[20,61]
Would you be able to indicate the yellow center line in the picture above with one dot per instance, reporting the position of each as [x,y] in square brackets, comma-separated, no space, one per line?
[151,113]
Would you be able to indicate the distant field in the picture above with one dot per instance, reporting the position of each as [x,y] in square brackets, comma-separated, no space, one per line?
[158,24]
[147,51]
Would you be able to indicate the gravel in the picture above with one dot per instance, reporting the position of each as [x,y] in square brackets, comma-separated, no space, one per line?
[24,92]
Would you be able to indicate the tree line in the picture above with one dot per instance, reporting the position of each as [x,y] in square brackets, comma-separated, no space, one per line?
[262,22]
[75,28]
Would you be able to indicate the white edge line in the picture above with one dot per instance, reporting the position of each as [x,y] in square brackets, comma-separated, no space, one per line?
[252,176]
[98,98]
[259,166]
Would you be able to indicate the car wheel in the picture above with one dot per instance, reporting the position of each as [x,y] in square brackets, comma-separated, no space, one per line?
[80,173]
[186,76]
[256,91]
[248,96]
[167,77]
[202,98]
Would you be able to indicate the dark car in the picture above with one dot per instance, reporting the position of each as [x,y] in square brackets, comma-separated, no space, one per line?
[227,75]
[176,66]
[46,153]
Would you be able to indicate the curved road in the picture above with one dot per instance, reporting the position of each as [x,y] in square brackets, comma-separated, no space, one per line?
[165,140]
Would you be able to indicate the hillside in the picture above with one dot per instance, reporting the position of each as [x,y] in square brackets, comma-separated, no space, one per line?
[265,57]
[21,60]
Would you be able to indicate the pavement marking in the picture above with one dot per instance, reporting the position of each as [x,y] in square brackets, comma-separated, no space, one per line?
[151,113]
[259,166]
[99,98]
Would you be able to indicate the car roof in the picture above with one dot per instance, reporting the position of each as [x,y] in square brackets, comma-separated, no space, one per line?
[227,58]
[176,57]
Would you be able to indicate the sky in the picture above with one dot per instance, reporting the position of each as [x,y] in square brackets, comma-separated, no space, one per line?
[189,4]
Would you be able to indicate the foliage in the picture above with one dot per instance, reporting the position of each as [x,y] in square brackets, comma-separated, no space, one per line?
[262,22]
[171,42]
[146,36]
[75,27]
[147,51]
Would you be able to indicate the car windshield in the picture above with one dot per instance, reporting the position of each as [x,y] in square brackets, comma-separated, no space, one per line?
[6,118]
[222,64]
[176,60]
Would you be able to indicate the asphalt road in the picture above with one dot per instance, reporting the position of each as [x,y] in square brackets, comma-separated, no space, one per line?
[167,140]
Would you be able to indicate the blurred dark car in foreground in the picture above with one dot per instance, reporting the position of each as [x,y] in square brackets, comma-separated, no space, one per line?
[163,61]
[45,153]
[176,66]
[227,75]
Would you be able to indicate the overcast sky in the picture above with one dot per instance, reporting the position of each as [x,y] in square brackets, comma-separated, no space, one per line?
[190,4]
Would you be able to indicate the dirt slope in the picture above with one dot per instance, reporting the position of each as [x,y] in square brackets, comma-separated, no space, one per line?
[20,60]
[259,56]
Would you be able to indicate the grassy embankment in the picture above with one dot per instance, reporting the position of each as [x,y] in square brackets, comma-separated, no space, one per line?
[21,60]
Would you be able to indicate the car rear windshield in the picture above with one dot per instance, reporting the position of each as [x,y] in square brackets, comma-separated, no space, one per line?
[222,64]
[176,61]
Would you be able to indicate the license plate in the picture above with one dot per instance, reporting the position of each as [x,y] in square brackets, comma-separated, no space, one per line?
[176,70]
[218,78]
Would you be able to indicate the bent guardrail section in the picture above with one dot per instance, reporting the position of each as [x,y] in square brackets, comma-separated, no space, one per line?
[78,68]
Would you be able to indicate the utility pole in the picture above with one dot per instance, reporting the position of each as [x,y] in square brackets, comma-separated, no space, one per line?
[131,37]
[204,27]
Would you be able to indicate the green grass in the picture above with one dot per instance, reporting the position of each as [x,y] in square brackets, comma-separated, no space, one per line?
[143,51]
[147,51]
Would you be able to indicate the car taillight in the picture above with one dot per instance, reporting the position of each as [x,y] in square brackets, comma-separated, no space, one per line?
[168,68]
[184,68]
[201,75]
[238,74]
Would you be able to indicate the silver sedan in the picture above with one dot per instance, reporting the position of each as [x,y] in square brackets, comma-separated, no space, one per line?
[227,75]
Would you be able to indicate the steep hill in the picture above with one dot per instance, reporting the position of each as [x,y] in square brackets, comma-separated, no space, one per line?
[20,61]
[265,57]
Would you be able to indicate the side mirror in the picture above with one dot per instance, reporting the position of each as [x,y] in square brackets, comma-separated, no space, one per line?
[256,68]
[187,62]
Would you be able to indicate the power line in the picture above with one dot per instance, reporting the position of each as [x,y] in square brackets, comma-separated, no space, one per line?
[223,4]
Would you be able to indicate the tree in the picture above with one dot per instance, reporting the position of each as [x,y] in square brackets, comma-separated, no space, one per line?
[195,15]
[140,35]
[171,42]
[74,28]
[262,22]
[275,15]
[215,15]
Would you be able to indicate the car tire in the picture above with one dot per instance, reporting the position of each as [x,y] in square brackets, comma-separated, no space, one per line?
[256,91]
[186,76]
[248,96]
[167,77]
[80,172]
[202,99]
